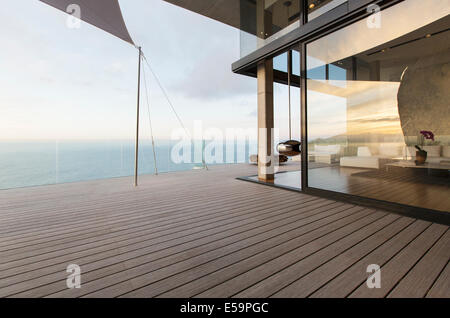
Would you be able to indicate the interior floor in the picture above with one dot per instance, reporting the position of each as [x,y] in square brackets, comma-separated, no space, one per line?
[288,175]
[285,179]
[419,191]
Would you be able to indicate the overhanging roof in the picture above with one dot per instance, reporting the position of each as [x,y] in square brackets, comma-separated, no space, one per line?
[240,14]
[225,11]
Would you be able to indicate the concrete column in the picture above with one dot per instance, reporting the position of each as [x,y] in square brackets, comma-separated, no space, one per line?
[265,121]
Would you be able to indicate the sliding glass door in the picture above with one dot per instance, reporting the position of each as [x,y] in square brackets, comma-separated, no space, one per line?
[377,107]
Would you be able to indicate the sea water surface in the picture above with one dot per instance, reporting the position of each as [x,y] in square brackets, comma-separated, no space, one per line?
[25,164]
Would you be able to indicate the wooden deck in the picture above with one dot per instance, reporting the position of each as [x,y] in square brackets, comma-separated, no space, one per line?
[206,234]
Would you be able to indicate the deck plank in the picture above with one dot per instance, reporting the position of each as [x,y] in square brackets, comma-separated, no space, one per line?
[394,271]
[185,234]
[143,284]
[346,282]
[151,252]
[441,288]
[155,236]
[308,284]
[420,279]
[296,268]
[187,287]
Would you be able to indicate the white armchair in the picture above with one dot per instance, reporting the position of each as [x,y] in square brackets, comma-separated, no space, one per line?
[325,154]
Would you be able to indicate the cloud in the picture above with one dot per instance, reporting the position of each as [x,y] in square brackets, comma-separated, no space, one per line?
[212,78]
[190,53]
[81,76]
[373,120]
[208,75]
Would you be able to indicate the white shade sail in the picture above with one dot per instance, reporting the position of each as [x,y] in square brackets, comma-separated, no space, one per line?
[104,14]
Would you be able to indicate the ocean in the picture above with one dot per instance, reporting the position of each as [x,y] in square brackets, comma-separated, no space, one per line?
[26,164]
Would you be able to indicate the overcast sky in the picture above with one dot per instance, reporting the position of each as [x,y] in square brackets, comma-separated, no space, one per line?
[61,83]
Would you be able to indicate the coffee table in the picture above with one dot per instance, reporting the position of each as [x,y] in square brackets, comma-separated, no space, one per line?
[409,164]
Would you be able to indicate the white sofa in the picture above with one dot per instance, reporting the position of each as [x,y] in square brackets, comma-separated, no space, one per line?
[366,158]
[325,154]
[390,152]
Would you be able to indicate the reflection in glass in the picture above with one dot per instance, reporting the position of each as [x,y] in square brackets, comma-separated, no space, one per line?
[263,21]
[368,102]
[286,97]
[319,7]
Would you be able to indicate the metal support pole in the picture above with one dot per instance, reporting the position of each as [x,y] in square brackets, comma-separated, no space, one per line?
[303,117]
[203,155]
[136,154]
[289,67]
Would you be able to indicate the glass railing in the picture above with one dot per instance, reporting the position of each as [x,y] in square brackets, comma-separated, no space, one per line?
[264,21]
[33,163]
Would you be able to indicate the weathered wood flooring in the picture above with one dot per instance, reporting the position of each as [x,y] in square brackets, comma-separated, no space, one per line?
[206,234]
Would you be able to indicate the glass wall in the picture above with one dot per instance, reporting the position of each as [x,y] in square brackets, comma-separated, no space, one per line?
[263,21]
[286,109]
[375,90]
[286,98]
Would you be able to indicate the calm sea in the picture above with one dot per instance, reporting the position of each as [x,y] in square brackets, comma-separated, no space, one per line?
[24,164]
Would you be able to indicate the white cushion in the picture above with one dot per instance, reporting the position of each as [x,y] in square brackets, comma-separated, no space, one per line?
[325,158]
[433,151]
[446,151]
[364,152]
[330,149]
[361,162]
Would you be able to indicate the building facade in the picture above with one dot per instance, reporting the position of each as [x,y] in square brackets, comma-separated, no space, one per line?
[370,80]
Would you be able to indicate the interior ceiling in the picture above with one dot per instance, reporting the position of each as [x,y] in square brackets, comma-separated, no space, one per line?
[413,44]
[408,47]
